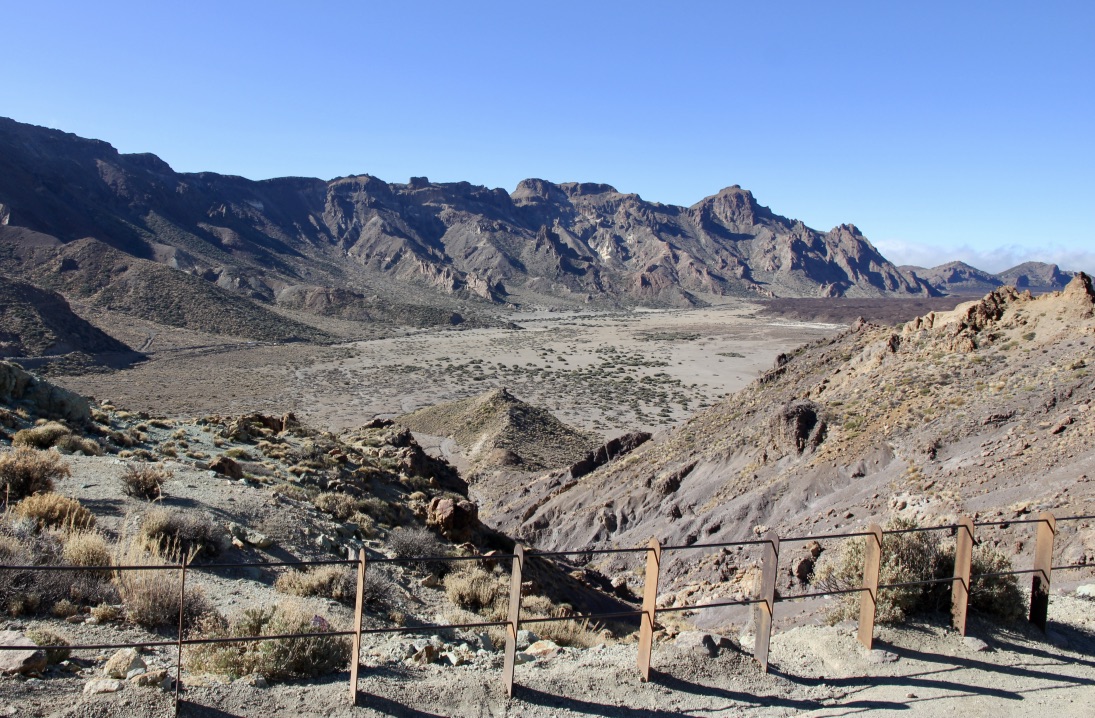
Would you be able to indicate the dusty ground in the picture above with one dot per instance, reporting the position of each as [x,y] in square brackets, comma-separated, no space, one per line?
[606,372]
[924,671]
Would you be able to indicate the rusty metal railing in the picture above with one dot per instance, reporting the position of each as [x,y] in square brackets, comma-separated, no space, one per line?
[764,602]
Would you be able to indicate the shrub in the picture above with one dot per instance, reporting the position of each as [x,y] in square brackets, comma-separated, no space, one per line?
[26,471]
[335,582]
[177,534]
[72,444]
[26,591]
[909,557]
[275,659]
[64,608]
[292,491]
[340,506]
[475,589]
[52,510]
[86,548]
[151,598]
[106,613]
[47,637]
[418,542]
[41,437]
[144,481]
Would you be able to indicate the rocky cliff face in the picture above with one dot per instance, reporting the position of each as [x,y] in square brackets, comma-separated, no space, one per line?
[570,242]
[962,279]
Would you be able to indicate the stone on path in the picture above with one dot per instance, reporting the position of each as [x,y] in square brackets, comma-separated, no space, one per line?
[30,660]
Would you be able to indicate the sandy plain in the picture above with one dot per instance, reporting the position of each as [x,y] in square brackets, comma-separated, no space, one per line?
[608,372]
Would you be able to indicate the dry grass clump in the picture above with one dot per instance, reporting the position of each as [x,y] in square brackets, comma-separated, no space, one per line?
[27,471]
[565,632]
[338,583]
[419,543]
[292,491]
[920,556]
[64,608]
[106,613]
[47,637]
[27,591]
[475,589]
[73,444]
[338,505]
[151,598]
[379,509]
[145,481]
[178,533]
[52,510]
[275,659]
[41,437]
[86,548]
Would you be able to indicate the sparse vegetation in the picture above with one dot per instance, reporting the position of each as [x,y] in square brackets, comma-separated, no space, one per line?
[47,638]
[918,556]
[27,471]
[338,583]
[178,533]
[152,597]
[145,481]
[274,659]
[418,543]
[43,436]
[50,510]
[338,505]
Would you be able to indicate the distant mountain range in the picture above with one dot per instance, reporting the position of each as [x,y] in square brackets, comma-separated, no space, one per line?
[961,278]
[225,254]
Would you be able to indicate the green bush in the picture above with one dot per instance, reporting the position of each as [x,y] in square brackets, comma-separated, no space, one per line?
[274,659]
[910,557]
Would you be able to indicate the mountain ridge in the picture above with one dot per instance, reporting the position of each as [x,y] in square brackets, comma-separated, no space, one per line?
[545,243]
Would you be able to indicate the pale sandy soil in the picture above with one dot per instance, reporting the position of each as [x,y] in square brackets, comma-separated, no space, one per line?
[606,372]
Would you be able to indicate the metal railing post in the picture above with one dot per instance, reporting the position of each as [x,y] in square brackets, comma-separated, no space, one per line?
[359,610]
[182,612]
[963,566]
[514,618]
[765,609]
[650,607]
[868,598]
[1043,564]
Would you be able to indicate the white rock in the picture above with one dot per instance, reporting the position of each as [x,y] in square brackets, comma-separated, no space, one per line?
[1086,591]
[102,685]
[975,644]
[28,660]
[877,655]
[122,662]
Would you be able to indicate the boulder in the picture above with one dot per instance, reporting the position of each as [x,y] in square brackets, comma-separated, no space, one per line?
[1086,591]
[248,536]
[226,466]
[25,658]
[47,400]
[152,678]
[456,520]
[121,663]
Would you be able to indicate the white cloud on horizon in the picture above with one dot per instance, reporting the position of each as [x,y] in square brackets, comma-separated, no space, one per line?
[993,260]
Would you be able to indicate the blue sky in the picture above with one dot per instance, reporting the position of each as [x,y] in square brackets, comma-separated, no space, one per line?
[943,130]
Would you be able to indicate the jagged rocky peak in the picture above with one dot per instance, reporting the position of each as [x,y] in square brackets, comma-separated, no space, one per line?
[533,190]
[731,206]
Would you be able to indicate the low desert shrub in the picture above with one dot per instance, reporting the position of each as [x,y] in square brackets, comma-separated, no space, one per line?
[151,597]
[79,444]
[910,557]
[41,437]
[475,589]
[106,613]
[178,533]
[52,510]
[25,471]
[419,543]
[274,659]
[64,608]
[27,591]
[86,548]
[292,491]
[338,583]
[145,481]
[338,505]
[379,509]
[46,638]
